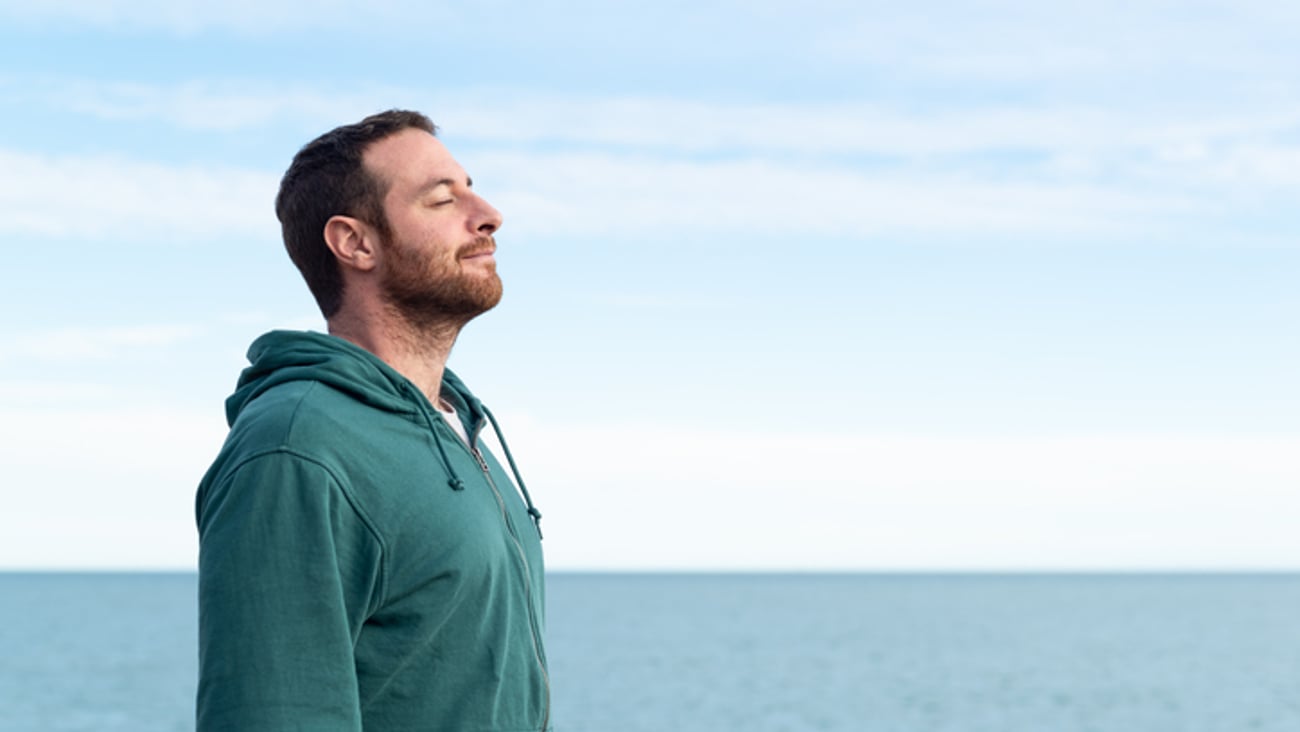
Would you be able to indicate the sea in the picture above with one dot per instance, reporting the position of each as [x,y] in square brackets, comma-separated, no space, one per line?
[755,652]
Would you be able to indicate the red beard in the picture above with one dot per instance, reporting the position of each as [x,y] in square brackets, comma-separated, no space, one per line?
[426,289]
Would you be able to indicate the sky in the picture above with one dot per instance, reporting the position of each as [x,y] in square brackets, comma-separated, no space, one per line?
[1000,285]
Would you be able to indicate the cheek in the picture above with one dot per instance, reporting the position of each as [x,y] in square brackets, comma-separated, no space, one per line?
[427,230]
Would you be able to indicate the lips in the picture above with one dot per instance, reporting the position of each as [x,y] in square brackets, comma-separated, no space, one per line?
[480,249]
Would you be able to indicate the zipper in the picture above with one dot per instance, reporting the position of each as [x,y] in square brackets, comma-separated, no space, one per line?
[528,582]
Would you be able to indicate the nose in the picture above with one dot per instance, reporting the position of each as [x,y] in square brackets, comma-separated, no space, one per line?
[486,219]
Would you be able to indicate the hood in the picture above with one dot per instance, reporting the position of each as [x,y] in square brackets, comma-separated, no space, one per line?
[282,356]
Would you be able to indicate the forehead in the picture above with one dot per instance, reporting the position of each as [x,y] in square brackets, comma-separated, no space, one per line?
[407,160]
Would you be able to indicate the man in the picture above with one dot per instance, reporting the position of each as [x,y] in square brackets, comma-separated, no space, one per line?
[365,563]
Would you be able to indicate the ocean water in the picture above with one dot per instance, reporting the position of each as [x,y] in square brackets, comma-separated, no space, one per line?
[712,653]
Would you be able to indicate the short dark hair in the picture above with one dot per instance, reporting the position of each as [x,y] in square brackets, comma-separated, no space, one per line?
[327,178]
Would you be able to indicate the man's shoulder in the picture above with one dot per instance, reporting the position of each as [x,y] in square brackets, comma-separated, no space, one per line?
[297,423]
[303,414]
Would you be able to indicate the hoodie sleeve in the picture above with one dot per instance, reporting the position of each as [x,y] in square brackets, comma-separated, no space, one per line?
[289,572]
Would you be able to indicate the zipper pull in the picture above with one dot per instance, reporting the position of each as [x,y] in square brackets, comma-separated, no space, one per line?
[481,462]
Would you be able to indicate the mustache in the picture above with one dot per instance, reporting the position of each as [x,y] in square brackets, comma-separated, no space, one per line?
[481,245]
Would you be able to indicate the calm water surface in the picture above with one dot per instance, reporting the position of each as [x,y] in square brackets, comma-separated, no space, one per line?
[710,653]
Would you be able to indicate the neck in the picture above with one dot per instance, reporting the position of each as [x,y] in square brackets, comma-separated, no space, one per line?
[418,351]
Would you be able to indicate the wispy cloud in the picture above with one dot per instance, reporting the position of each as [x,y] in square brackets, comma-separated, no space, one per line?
[588,193]
[78,344]
[881,130]
[207,105]
[102,197]
[191,105]
[598,194]
[1011,42]
[618,164]
[1003,39]
[187,17]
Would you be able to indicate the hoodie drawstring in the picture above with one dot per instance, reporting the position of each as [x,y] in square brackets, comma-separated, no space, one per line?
[453,479]
[528,500]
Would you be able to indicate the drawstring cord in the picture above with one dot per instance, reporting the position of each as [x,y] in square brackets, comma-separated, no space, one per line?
[532,510]
[456,484]
[453,480]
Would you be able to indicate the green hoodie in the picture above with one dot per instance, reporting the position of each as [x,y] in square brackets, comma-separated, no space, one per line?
[360,567]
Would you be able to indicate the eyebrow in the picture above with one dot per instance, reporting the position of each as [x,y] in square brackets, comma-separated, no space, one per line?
[469,183]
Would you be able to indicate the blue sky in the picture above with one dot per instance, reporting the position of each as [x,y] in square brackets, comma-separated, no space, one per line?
[984,285]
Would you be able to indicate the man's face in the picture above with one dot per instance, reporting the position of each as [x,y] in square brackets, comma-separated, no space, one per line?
[438,260]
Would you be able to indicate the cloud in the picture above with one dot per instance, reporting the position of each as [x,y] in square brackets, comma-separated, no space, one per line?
[96,199]
[573,165]
[671,496]
[600,194]
[79,344]
[1258,165]
[188,17]
[588,194]
[882,130]
[228,106]
[1003,39]
[191,105]
[112,197]
[1013,42]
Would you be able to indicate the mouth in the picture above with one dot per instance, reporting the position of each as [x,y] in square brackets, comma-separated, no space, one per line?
[484,248]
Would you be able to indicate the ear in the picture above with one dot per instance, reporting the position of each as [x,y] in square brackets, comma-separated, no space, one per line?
[352,241]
